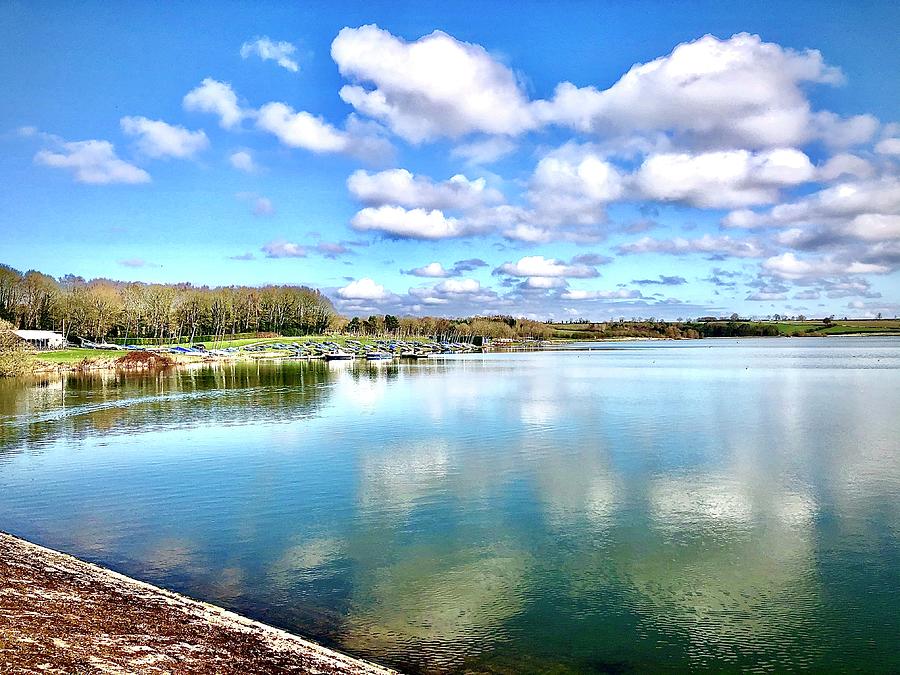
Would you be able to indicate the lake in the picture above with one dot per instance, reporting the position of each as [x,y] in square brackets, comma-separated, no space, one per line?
[638,506]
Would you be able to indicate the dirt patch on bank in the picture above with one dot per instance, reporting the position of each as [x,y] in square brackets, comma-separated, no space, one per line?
[144,361]
[61,615]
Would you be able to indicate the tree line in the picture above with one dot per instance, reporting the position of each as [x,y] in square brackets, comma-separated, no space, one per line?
[100,309]
[97,309]
[496,327]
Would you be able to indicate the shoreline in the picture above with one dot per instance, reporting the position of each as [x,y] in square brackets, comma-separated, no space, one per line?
[109,364]
[61,614]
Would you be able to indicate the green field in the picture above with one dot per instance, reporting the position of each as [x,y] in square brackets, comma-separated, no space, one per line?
[724,328]
[69,356]
[839,327]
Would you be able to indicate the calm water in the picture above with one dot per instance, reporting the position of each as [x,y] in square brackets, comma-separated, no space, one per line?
[724,505]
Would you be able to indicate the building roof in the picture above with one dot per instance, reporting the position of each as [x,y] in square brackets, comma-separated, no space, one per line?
[37,334]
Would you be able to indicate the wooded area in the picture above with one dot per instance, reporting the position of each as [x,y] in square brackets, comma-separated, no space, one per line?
[103,308]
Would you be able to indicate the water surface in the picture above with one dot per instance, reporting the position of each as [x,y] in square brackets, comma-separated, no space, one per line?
[713,504]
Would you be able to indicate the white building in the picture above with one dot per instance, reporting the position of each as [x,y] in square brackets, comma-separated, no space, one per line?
[41,339]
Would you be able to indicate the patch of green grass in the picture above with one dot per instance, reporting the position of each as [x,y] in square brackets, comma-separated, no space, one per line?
[68,356]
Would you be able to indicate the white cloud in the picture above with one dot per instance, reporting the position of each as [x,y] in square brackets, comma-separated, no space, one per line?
[619,294]
[572,186]
[833,205]
[363,289]
[739,92]
[873,227]
[398,222]
[789,266]
[93,162]
[888,146]
[156,138]
[300,129]
[839,132]
[435,86]
[716,246]
[539,266]
[487,151]
[283,249]
[243,161]
[458,286]
[267,50]
[400,187]
[545,283]
[435,270]
[767,296]
[843,165]
[723,179]
[217,98]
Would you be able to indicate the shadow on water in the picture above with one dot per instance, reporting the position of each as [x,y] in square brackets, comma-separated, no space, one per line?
[75,405]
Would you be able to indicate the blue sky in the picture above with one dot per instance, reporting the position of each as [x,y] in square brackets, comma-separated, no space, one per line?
[540,159]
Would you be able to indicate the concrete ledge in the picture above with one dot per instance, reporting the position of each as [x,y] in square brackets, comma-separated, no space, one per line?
[59,614]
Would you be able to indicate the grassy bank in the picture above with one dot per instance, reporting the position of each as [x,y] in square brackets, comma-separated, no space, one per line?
[62,615]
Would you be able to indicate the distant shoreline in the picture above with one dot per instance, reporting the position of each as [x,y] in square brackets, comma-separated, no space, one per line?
[109,363]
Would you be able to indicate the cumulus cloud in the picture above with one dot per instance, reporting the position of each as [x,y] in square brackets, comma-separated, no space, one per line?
[618,294]
[845,165]
[437,270]
[539,266]
[268,50]
[158,139]
[364,289]
[400,187]
[242,160]
[739,92]
[434,86]
[458,286]
[838,132]
[888,146]
[400,223]
[434,269]
[572,185]
[300,129]
[284,249]
[94,162]
[714,246]
[854,219]
[725,179]
[486,151]
[789,266]
[217,98]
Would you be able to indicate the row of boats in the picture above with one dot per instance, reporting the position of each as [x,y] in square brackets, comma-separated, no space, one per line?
[379,350]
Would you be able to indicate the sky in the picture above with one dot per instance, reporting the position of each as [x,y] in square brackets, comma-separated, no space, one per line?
[547,160]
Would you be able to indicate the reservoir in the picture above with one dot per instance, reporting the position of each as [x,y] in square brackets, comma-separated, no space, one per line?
[608,507]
